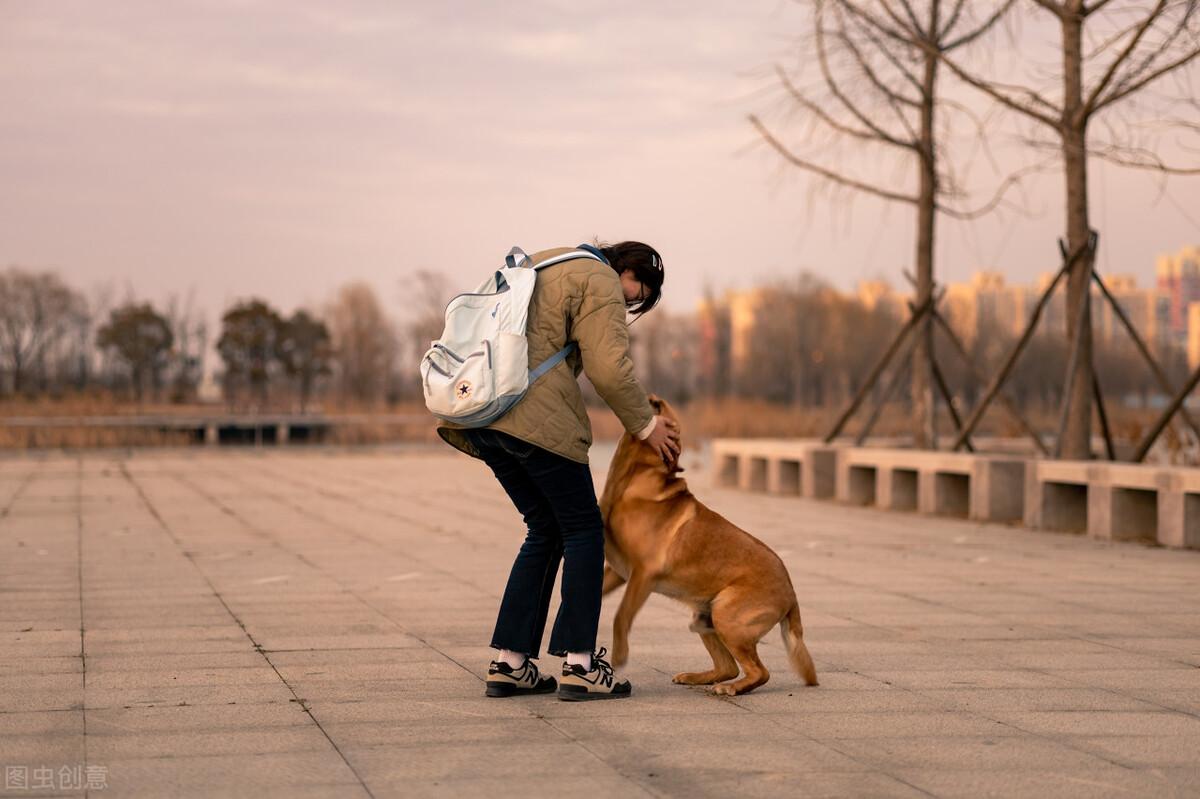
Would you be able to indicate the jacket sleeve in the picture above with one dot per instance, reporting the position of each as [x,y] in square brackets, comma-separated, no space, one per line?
[600,330]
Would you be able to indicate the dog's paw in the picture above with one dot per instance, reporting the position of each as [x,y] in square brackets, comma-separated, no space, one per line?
[620,656]
[693,678]
[724,689]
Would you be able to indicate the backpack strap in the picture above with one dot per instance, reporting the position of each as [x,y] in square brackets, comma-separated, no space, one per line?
[513,262]
[517,257]
[511,259]
[569,256]
[551,362]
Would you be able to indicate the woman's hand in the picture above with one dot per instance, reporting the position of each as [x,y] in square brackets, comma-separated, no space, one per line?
[664,438]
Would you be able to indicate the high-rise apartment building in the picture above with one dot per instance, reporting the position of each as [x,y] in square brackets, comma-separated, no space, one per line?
[1147,309]
[1193,336]
[987,304]
[1179,280]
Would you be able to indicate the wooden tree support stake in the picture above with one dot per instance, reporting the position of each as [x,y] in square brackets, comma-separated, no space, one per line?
[888,390]
[940,380]
[882,364]
[994,387]
[1139,342]
[1004,399]
[1175,404]
[1099,397]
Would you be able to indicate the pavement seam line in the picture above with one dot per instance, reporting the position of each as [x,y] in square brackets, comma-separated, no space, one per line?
[257,647]
[383,614]
[82,631]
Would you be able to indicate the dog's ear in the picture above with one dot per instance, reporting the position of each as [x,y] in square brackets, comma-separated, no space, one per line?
[655,402]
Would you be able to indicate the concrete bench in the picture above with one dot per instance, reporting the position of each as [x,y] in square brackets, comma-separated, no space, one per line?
[1116,501]
[799,467]
[979,487]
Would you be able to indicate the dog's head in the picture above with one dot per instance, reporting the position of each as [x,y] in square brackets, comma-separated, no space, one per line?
[663,408]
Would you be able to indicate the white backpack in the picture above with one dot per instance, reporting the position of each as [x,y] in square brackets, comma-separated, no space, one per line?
[479,368]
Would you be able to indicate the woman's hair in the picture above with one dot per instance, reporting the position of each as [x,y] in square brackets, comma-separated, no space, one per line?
[646,265]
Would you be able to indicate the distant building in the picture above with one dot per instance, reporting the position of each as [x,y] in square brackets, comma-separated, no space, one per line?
[1193,336]
[743,311]
[1179,280]
[988,304]
[1147,309]
[879,294]
[712,347]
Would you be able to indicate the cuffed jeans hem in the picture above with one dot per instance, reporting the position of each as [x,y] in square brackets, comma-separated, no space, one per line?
[530,655]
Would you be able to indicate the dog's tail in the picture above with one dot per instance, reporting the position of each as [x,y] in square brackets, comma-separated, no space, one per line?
[793,642]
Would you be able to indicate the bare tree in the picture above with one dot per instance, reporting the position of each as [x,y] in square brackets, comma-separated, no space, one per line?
[36,308]
[424,295]
[1111,51]
[879,67]
[664,353]
[364,342]
[190,331]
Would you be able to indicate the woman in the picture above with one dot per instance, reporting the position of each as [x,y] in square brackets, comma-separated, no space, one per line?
[539,453]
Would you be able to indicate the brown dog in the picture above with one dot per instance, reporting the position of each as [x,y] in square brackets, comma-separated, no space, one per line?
[659,537]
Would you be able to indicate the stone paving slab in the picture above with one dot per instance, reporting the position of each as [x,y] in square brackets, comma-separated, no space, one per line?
[313,623]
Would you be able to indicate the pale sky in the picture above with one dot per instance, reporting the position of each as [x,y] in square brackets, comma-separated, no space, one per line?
[279,149]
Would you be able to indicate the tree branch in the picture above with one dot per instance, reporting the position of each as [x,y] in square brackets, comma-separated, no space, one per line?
[1138,32]
[990,89]
[887,91]
[1142,159]
[1012,180]
[891,58]
[824,172]
[1094,7]
[913,23]
[1056,9]
[870,19]
[1129,89]
[951,19]
[835,89]
[983,28]
[826,117]
[894,98]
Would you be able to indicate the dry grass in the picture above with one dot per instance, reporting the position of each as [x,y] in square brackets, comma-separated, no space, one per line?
[735,418]
[92,404]
[22,438]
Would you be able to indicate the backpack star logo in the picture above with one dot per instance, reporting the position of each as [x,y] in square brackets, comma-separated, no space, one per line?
[463,389]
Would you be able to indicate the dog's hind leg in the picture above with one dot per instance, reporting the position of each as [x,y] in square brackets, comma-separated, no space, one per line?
[745,652]
[740,629]
[612,580]
[724,666]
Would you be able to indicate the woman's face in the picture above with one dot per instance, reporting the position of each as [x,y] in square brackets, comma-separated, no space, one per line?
[634,291]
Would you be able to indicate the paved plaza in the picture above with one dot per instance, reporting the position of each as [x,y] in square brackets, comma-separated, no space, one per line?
[314,623]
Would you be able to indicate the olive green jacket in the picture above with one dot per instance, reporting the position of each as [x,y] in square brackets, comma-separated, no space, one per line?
[578,300]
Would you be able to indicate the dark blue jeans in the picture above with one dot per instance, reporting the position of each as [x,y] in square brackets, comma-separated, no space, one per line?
[556,497]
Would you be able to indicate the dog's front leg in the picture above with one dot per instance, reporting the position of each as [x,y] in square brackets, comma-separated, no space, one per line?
[612,580]
[636,593]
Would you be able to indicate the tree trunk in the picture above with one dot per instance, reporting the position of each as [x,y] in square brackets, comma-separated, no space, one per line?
[924,430]
[306,381]
[1076,444]
[18,374]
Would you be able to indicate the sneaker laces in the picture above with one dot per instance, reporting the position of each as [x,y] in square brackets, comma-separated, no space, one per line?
[603,666]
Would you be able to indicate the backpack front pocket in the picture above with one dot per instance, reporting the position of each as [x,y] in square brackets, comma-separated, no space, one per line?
[459,386]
